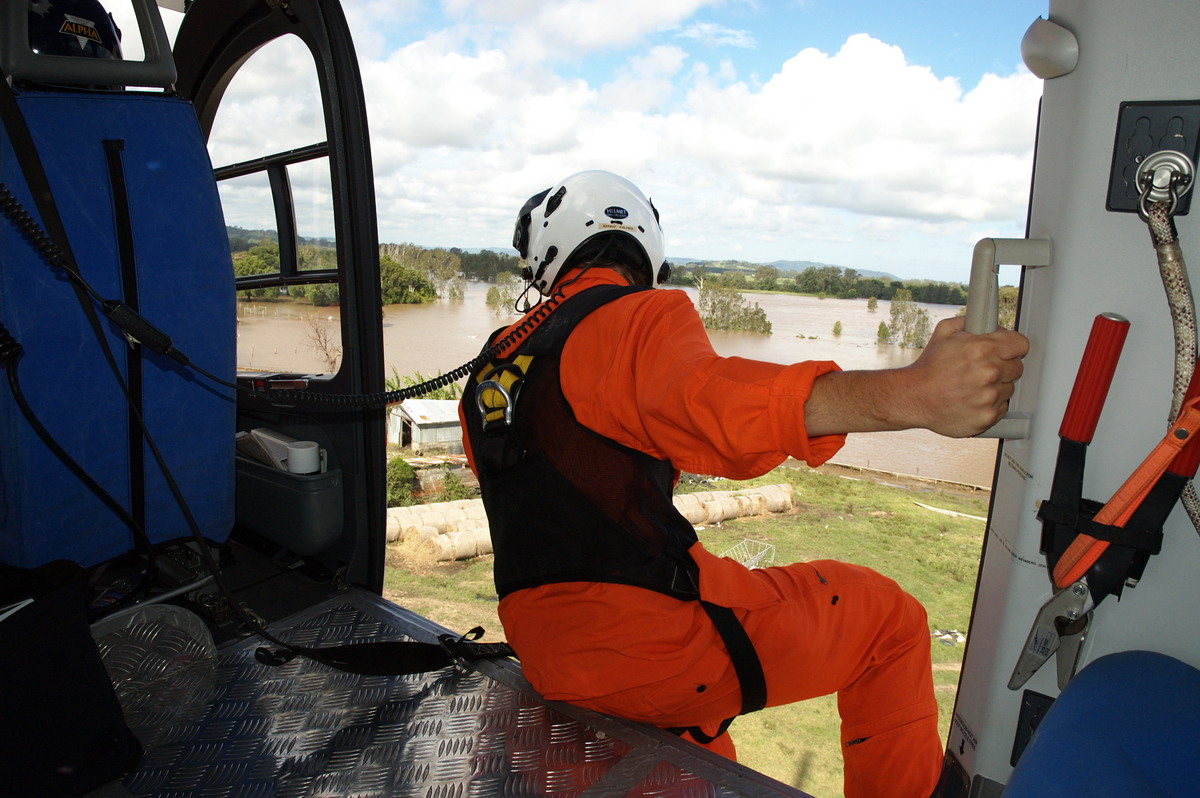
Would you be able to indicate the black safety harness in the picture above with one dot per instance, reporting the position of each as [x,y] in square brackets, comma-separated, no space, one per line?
[566,504]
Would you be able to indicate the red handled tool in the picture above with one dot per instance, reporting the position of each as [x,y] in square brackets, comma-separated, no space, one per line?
[1064,616]
[1094,551]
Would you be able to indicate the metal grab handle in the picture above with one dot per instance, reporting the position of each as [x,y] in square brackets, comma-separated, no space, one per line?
[983,302]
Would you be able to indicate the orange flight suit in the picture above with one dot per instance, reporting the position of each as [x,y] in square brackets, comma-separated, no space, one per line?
[641,371]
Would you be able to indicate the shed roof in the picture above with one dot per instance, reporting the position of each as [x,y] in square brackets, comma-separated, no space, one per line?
[430,411]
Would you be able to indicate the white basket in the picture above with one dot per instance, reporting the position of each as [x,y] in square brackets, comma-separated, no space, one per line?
[752,553]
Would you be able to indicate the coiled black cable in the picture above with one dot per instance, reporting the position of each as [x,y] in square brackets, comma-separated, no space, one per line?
[146,333]
[377,400]
[10,353]
[36,236]
[142,330]
[10,350]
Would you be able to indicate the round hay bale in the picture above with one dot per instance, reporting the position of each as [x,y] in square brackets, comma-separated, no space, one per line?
[778,498]
[721,509]
[483,540]
[422,532]
[475,511]
[691,508]
[462,545]
[750,504]
[454,516]
[440,546]
[404,515]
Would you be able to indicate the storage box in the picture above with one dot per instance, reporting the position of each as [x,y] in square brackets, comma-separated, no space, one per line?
[301,512]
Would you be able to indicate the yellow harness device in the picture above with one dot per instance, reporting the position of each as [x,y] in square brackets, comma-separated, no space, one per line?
[497,390]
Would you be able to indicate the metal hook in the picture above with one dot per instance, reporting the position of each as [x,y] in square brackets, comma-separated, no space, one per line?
[1164,176]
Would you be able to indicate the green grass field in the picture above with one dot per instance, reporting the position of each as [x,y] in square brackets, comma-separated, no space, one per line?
[838,514]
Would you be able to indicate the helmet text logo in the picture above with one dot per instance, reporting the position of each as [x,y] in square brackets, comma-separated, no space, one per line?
[82,29]
[616,212]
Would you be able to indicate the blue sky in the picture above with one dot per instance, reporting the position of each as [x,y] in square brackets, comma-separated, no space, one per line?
[874,135]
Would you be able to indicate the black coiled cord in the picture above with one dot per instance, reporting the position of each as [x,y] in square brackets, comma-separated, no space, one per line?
[141,330]
[378,400]
[37,237]
[10,350]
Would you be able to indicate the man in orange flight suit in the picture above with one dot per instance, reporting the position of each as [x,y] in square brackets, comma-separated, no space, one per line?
[641,392]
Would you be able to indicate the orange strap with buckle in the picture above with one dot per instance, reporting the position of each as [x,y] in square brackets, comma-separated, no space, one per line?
[1085,549]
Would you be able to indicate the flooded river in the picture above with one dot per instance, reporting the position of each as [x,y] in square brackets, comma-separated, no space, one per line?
[435,338]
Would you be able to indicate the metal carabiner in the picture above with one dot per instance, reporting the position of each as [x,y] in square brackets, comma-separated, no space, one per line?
[485,410]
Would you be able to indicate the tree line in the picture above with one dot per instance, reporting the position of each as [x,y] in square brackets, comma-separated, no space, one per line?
[409,274]
[443,270]
[824,281]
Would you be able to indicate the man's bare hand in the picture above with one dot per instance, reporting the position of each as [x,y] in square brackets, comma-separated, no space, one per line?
[959,386]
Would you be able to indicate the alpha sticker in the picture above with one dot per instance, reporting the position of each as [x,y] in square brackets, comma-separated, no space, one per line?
[84,30]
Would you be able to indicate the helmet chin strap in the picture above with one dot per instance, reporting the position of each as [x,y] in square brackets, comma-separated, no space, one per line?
[523,305]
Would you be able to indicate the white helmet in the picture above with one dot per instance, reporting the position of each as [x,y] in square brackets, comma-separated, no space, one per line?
[584,215]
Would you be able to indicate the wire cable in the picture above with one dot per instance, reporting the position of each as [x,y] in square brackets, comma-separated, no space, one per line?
[10,354]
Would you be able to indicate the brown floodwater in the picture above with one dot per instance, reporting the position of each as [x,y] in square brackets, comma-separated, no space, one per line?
[436,337]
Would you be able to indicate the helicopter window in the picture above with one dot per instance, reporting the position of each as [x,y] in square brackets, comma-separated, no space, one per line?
[312,195]
[277,196]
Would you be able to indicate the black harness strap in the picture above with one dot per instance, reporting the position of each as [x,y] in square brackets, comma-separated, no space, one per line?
[746,665]
[741,651]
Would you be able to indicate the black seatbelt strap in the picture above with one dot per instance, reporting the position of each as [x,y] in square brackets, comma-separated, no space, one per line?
[388,658]
[123,222]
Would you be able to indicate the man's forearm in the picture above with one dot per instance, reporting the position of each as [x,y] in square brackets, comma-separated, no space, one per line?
[959,386]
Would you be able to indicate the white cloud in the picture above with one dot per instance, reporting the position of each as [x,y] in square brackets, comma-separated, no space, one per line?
[861,131]
[647,82]
[714,35]
[572,29]
[841,157]
[271,105]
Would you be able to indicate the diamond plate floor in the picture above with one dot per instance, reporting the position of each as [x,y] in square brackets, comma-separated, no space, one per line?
[217,724]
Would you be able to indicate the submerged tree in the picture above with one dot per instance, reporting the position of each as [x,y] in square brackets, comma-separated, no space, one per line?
[910,325]
[724,308]
[324,340]
[262,258]
[503,295]
[404,285]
